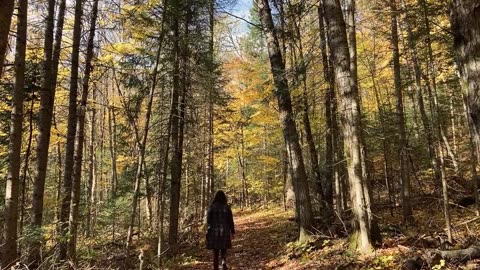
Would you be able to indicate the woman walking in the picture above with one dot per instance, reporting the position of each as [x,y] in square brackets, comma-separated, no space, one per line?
[221,229]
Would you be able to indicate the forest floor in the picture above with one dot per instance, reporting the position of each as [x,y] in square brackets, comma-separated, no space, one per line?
[265,240]
[260,239]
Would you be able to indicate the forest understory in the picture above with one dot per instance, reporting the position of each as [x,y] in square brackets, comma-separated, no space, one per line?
[265,239]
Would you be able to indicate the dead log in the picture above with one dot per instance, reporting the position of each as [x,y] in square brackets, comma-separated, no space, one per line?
[458,255]
[433,257]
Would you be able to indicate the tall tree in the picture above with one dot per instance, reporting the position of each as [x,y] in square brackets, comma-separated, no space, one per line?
[47,99]
[15,147]
[68,178]
[301,66]
[80,137]
[403,151]
[282,92]
[366,170]
[331,140]
[350,120]
[143,143]
[211,91]
[180,54]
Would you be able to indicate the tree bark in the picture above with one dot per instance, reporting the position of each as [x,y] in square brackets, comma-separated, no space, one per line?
[352,46]
[351,124]
[162,188]
[6,13]
[91,170]
[465,23]
[211,141]
[331,173]
[473,153]
[47,98]
[68,187]
[26,164]
[15,146]
[112,131]
[174,166]
[290,134]
[308,132]
[80,140]
[180,86]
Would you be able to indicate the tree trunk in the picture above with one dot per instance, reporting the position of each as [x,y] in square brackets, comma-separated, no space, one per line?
[47,98]
[91,170]
[403,153]
[142,144]
[282,93]
[180,86]
[367,166]
[352,46]
[473,153]
[351,124]
[308,134]
[79,146]
[243,169]
[302,73]
[446,204]
[174,166]
[6,13]
[26,165]
[112,131]
[59,170]
[68,178]
[15,146]
[453,124]
[465,23]
[162,188]
[331,118]
[211,141]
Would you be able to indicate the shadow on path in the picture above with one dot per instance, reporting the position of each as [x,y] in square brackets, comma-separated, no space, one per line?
[261,237]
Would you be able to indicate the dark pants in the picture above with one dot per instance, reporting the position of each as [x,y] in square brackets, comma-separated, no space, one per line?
[223,255]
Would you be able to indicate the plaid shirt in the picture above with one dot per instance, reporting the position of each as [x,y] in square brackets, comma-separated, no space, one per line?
[220,226]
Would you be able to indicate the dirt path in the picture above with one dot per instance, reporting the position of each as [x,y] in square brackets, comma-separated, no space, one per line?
[261,237]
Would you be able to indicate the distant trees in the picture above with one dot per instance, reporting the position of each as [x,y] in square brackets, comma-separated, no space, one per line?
[403,154]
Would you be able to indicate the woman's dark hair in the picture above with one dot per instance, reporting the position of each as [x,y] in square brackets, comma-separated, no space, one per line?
[220,197]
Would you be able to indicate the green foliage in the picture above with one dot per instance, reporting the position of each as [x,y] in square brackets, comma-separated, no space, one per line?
[383,262]
[31,235]
[441,265]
